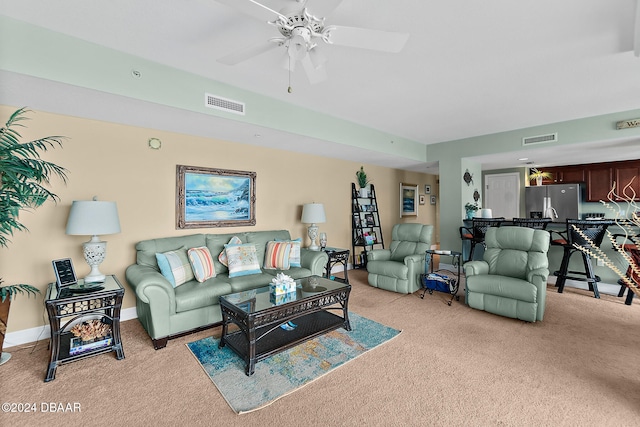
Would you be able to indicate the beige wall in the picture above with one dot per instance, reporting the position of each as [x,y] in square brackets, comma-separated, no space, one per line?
[114,162]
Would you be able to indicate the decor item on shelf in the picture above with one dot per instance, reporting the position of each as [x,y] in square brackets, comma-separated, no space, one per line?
[629,248]
[313,213]
[470,209]
[22,175]
[323,240]
[361,176]
[90,330]
[538,175]
[93,218]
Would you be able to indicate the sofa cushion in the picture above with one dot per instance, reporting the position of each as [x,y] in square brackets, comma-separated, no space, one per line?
[242,260]
[201,263]
[503,286]
[175,266]
[276,255]
[146,250]
[222,257]
[193,295]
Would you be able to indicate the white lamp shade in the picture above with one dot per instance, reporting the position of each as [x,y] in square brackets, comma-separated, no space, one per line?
[313,213]
[92,218]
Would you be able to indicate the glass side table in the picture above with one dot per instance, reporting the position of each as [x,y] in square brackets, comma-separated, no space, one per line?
[66,308]
[337,256]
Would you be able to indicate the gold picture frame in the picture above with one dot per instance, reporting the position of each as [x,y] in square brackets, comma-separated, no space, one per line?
[209,197]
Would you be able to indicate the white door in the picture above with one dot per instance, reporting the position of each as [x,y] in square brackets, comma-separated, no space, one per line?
[502,194]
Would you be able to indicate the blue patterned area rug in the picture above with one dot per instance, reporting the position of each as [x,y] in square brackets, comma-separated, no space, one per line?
[290,370]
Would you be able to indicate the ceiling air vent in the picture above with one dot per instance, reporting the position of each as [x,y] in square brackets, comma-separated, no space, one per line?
[540,139]
[224,104]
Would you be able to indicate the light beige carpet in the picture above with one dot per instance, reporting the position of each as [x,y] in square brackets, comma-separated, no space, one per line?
[451,366]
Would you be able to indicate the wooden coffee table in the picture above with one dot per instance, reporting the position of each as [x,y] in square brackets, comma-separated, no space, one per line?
[318,306]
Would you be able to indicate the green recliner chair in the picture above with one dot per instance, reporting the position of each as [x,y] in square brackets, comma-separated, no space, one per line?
[398,268]
[512,279]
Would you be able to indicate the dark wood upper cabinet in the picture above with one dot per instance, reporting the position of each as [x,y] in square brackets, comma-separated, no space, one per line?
[599,178]
[564,175]
[625,174]
[571,175]
[598,183]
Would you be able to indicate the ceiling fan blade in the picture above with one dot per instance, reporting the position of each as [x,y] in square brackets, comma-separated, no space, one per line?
[315,75]
[636,31]
[363,38]
[248,52]
[253,8]
[323,8]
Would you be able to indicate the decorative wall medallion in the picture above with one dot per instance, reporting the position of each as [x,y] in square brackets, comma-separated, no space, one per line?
[476,195]
[468,178]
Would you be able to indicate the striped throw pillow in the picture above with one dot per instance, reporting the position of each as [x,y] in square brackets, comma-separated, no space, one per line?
[294,254]
[276,255]
[201,263]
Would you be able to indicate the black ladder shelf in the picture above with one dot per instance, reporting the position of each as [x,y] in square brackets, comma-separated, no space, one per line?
[365,224]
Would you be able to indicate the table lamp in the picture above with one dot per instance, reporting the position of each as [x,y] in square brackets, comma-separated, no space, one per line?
[93,218]
[313,213]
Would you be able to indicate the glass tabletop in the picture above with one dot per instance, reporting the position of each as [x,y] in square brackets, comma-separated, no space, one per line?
[255,300]
[110,284]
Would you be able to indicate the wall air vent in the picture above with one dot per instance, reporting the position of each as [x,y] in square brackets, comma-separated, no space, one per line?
[540,139]
[224,104]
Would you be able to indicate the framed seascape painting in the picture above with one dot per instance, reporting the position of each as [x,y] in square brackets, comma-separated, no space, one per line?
[207,197]
[408,200]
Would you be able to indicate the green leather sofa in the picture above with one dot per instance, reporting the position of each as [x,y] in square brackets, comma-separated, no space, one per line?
[167,312]
[511,281]
[398,268]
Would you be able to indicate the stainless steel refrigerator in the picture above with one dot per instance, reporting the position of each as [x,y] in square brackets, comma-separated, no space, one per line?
[556,201]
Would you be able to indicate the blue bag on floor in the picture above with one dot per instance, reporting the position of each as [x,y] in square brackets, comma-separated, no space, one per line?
[437,282]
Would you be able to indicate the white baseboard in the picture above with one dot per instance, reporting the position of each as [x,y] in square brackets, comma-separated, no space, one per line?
[27,336]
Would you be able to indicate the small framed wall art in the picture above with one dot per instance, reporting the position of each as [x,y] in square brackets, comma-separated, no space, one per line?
[408,199]
[427,189]
[433,200]
[422,199]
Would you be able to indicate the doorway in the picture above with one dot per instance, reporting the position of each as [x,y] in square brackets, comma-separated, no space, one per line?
[502,194]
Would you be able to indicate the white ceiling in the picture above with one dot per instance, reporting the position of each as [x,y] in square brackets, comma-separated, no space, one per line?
[469,68]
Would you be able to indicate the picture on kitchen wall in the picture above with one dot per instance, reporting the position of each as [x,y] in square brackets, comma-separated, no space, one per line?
[408,200]
[208,197]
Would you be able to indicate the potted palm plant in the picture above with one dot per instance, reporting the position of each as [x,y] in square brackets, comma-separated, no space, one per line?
[538,175]
[361,177]
[23,180]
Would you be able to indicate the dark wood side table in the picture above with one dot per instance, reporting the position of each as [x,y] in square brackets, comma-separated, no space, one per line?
[337,256]
[66,308]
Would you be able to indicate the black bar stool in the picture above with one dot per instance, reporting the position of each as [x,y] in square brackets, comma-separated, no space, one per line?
[475,234]
[537,223]
[594,230]
[634,252]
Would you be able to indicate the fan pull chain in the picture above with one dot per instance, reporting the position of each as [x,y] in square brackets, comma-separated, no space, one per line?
[289,88]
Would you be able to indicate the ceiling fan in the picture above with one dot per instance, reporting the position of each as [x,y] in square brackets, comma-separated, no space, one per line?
[301,32]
